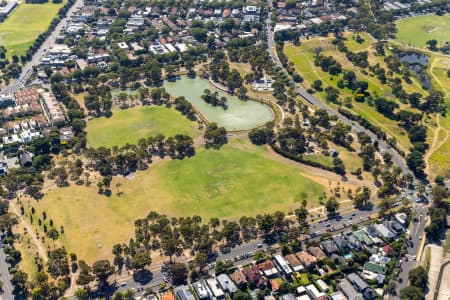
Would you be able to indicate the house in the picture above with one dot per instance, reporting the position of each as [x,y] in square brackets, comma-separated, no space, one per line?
[26,159]
[8,8]
[168,296]
[6,100]
[202,290]
[402,218]
[263,84]
[254,277]
[239,279]
[373,276]
[227,284]
[322,285]
[384,232]
[287,297]
[354,243]
[379,259]
[338,296]
[329,247]
[341,242]
[268,268]
[347,288]
[216,291]
[372,233]
[183,293]
[251,13]
[361,286]
[294,262]
[282,264]
[3,168]
[313,292]
[303,297]
[395,227]
[387,250]
[316,252]
[375,268]
[306,259]
[275,285]
[362,236]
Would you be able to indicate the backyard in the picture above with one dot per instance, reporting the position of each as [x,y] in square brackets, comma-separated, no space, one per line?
[25,24]
[239,179]
[130,125]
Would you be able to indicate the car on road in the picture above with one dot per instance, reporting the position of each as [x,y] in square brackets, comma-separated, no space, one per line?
[259,245]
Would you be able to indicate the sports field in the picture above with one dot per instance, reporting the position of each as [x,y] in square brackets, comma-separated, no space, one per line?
[239,179]
[418,30]
[130,125]
[25,24]
[303,58]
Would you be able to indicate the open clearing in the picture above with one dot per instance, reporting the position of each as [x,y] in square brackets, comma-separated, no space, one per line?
[25,24]
[303,58]
[418,30]
[239,179]
[130,125]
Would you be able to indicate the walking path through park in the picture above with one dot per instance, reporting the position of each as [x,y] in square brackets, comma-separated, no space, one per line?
[436,143]
[30,231]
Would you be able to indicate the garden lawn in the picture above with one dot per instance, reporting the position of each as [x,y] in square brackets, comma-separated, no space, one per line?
[130,125]
[239,179]
[418,30]
[25,24]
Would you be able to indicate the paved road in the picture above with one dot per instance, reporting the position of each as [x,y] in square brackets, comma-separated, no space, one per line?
[5,277]
[27,69]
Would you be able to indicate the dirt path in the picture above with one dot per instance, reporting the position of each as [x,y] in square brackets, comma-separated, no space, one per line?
[436,78]
[436,142]
[42,252]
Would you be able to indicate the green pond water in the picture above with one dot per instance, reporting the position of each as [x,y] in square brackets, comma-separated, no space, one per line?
[239,115]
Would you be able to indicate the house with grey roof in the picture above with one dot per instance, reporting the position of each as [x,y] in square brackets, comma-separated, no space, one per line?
[361,286]
[384,232]
[329,247]
[347,288]
[183,292]
[227,284]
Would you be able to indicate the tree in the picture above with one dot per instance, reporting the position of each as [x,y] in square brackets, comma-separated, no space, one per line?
[201,259]
[179,273]
[331,205]
[102,270]
[141,260]
[432,44]
[412,293]
[240,295]
[439,193]
[362,197]
[82,294]
[19,281]
[215,136]
[418,277]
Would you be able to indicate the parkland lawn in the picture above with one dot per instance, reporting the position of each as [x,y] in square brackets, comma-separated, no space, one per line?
[418,30]
[24,25]
[130,125]
[303,58]
[239,179]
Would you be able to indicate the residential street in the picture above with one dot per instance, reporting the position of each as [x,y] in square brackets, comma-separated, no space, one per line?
[27,70]
[5,277]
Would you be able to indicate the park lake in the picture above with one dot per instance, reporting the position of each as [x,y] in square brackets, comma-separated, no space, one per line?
[239,115]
